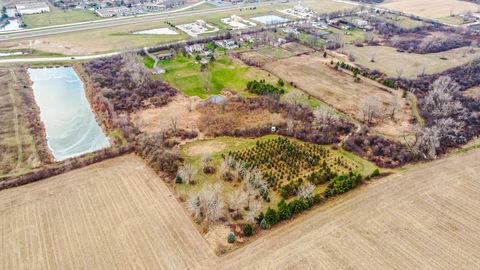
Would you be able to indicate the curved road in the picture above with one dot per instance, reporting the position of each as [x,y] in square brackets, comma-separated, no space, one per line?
[31,33]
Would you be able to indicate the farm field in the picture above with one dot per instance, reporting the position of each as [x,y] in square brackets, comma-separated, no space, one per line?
[19,152]
[58,16]
[433,9]
[313,74]
[410,64]
[326,6]
[115,214]
[118,214]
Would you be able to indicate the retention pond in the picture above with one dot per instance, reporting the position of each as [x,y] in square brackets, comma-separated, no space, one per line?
[66,113]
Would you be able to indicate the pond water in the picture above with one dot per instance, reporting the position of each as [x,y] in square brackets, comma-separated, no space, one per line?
[66,113]
[157,31]
[269,19]
[12,26]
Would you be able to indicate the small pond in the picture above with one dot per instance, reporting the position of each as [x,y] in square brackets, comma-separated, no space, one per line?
[70,124]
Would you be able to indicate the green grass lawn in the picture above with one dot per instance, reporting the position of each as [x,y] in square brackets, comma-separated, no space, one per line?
[184,73]
[149,62]
[57,17]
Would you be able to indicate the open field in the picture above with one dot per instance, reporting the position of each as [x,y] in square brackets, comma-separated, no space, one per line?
[116,214]
[410,64]
[313,74]
[96,41]
[433,9]
[326,6]
[58,16]
[19,153]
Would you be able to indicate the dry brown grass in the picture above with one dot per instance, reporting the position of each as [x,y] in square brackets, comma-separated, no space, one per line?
[431,8]
[313,74]
[18,150]
[182,109]
[220,120]
[473,92]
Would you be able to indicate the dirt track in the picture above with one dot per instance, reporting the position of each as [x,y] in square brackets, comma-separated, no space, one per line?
[118,215]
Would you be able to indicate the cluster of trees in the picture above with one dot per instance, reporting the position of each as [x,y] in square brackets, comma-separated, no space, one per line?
[438,42]
[207,205]
[342,184]
[125,82]
[286,210]
[384,153]
[319,125]
[446,117]
[263,88]
[157,155]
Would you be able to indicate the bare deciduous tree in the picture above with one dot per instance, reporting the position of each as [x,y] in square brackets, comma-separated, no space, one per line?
[306,191]
[324,118]
[207,204]
[236,200]
[134,67]
[370,108]
[188,172]
[253,212]
[174,123]
[440,100]
[393,106]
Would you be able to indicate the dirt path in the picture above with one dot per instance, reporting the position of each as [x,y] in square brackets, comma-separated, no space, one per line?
[15,121]
[118,214]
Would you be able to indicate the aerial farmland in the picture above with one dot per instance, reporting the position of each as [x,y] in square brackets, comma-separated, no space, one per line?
[237,135]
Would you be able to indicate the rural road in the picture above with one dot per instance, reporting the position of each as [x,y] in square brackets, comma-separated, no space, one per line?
[61,29]
[56,59]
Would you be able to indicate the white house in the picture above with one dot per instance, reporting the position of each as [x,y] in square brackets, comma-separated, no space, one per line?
[32,8]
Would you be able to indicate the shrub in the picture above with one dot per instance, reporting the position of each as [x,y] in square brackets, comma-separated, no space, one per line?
[247,230]
[263,224]
[178,179]
[375,173]
[271,216]
[262,88]
[284,212]
[231,238]
[328,192]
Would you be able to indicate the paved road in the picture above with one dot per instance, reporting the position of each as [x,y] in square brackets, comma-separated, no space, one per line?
[56,59]
[32,33]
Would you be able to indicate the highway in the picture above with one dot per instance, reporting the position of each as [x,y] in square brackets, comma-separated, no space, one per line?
[105,23]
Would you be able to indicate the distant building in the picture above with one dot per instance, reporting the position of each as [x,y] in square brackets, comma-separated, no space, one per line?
[227,44]
[195,48]
[113,12]
[32,8]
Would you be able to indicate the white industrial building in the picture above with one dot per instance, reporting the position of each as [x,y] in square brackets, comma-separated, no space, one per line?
[32,8]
